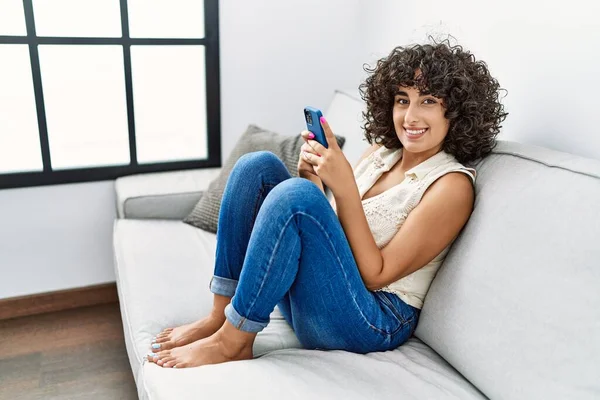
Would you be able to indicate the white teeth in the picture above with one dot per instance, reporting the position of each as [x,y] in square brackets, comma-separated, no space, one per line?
[416,132]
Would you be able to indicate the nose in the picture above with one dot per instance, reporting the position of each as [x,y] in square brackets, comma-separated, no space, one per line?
[412,113]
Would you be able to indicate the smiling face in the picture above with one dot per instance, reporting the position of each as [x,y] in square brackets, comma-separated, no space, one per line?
[419,121]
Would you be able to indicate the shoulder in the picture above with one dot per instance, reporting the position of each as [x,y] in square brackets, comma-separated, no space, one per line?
[453,189]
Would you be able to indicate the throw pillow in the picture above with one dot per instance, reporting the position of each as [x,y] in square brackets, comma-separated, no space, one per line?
[205,214]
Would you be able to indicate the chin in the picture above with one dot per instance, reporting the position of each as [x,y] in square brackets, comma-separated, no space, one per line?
[414,147]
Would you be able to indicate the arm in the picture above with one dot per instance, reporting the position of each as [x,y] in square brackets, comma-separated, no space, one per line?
[314,179]
[364,155]
[352,218]
[429,228]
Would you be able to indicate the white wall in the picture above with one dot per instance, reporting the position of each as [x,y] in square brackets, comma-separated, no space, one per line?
[545,53]
[55,237]
[276,57]
[279,56]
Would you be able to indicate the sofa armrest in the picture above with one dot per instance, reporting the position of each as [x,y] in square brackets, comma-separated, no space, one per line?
[162,195]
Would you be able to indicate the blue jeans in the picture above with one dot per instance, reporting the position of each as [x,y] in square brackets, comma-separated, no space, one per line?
[279,242]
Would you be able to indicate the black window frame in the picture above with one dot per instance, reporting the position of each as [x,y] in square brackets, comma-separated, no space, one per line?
[89,174]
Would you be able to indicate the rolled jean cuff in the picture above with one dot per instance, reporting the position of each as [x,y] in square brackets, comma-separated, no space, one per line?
[242,323]
[223,286]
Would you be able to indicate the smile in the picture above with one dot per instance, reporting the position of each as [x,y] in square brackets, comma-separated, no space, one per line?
[416,132]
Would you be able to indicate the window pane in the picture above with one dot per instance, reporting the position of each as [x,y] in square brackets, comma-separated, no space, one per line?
[89,18]
[86,111]
[19,135]
[169,97]
[166,18]
[12,18]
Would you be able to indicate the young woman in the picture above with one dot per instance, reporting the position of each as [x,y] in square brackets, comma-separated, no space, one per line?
[351,274]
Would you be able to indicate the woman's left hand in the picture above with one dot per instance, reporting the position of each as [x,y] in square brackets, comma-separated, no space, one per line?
[332,166]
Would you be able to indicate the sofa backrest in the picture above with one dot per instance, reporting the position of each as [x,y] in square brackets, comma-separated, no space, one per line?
[516,305]
[344,115]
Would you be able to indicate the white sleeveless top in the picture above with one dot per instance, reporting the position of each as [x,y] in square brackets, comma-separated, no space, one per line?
[387,211]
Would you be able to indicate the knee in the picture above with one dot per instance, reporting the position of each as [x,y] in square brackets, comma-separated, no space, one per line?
[258,159]
[251,165]
[297,192]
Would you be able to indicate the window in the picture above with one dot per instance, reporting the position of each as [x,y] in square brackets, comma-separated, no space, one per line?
[99,89]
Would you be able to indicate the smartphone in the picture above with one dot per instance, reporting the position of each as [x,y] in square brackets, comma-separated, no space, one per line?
[313,124]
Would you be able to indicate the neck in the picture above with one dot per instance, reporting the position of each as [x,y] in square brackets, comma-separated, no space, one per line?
[410,160]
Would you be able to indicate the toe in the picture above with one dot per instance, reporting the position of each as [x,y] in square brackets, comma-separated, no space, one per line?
[162,339]
[160,359]
[168,362]
[156,347]
[164,354]
[167,345]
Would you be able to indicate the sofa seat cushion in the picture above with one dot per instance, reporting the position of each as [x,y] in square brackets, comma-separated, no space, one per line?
[413,371]
[163,269]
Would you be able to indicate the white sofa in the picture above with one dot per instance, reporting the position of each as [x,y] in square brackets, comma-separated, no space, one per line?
[514,312]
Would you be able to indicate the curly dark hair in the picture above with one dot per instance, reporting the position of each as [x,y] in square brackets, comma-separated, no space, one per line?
[469,94]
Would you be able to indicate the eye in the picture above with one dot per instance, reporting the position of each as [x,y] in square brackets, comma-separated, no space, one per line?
[400,100]
[431,101]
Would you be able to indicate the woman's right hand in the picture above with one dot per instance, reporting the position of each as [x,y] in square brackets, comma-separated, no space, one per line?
[305,169]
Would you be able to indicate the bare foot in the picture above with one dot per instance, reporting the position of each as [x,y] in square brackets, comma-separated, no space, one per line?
[218,348]
[185,334]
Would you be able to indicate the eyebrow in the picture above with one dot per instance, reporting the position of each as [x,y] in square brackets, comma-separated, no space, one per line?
[403,93]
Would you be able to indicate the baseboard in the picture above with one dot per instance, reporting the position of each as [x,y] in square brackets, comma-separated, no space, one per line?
[58,301]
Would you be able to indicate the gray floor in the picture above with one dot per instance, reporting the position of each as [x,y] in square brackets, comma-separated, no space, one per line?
[74,354]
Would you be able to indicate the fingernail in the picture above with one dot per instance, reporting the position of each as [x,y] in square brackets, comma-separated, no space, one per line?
[156,346]
[322,119]
[311,136]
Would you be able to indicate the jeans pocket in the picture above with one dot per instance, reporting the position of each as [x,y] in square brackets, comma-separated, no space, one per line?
[403,317]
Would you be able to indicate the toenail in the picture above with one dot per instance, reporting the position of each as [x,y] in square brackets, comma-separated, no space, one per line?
[156,346]
[153,340]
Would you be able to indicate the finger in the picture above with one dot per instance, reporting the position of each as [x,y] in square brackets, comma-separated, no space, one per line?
[310,158]
[307,135]
[308,147]
[328,133]
[317,147]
